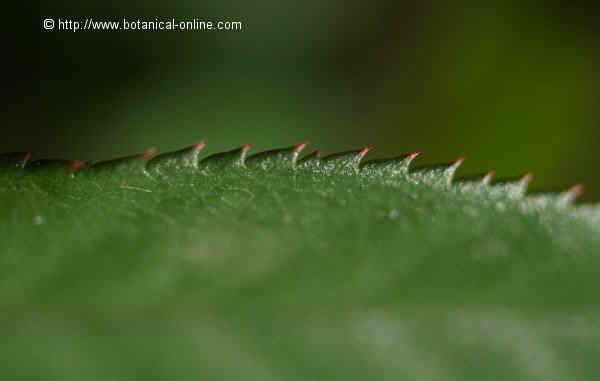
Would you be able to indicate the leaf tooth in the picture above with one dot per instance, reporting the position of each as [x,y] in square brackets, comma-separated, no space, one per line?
[76,165]
[235,158]
[439,174]
[51,163]
[123,166]
[513,188]
[344,162]
[278,158]
[571,195]
[488,177]
[389,167]
[478,181]
[55,167]
[561,199]
[14,161]
[311,161]
[185,159]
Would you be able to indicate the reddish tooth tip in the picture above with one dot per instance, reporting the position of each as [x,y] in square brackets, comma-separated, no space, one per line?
[489,175]
[300,146]
[413,154]
[577,189]
[528,176]
[28,155]
[200,145]
[459,160]
[75,164]
[246,147]
[149,153]
[318,151]
[364,150]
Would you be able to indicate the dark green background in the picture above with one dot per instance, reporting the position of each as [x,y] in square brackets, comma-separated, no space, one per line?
[508,84]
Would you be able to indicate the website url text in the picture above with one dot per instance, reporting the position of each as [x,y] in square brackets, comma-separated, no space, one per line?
[89,24]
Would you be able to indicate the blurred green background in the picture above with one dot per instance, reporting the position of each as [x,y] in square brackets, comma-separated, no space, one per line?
[508,84]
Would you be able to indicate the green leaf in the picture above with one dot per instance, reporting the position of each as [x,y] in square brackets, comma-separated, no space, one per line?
[274,266]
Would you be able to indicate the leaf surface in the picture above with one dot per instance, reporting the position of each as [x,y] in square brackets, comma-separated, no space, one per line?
[277,266]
